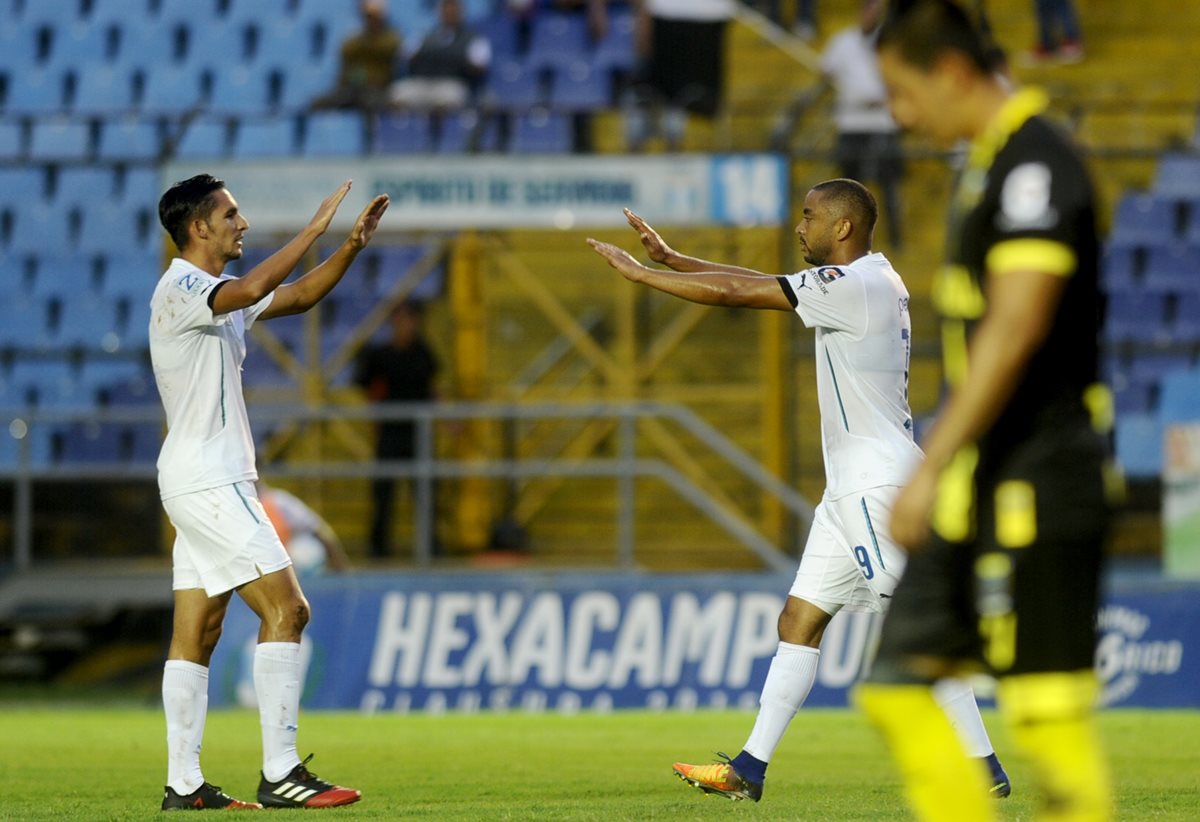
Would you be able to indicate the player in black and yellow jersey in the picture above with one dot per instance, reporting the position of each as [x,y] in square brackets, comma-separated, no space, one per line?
[1005,518]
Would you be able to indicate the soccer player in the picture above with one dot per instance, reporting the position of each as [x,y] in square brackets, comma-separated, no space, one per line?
[1006,515]
[224,541]
[859,307]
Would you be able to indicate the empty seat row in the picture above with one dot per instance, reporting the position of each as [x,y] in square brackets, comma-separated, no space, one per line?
[1172,267]
[69,185]
[1148,317]
[1157,219]
[91,322]
[43,228]
[116,273]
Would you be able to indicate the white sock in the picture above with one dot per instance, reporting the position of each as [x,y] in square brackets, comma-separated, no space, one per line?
[185,702]
[958,701]
[277,685]
[791,676]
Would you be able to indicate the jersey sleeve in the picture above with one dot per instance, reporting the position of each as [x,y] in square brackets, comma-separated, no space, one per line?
[186,302]
[252,313]
[829,297]
[1040,208]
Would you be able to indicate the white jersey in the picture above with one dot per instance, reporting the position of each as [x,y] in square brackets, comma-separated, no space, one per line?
[863,336]
[197,360]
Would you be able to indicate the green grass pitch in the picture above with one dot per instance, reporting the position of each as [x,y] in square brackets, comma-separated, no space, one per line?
[74,763]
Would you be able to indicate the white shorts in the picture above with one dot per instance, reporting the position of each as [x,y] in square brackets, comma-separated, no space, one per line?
[223,539]
[850,560]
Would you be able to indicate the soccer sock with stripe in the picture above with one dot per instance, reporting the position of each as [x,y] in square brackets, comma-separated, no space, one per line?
[185,702]
[1051,719]
[790,678]
[940,782]
[958,701]
[277,685]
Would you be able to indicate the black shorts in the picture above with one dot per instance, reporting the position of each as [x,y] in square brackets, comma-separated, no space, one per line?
[1020,594]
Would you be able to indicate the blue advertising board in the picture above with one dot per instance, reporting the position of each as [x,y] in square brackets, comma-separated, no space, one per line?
[596,642]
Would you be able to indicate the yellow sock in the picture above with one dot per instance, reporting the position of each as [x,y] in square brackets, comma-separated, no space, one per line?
[1051,719]
[941,783]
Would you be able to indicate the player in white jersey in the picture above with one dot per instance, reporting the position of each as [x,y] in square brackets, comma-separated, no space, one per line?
[224,540]
[858,306]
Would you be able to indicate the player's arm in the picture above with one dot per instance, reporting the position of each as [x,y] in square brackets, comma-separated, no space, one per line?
[658,251]
[722,288]
[234,295]
[1021,308]
[304,293]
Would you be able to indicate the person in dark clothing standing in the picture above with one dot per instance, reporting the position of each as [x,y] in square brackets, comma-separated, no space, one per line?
[402,370]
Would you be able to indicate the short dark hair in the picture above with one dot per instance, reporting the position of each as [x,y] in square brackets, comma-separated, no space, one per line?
[923,30]
[187,200]
[852,199]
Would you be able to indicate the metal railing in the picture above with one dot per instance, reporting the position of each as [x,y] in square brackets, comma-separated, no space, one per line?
[625,468]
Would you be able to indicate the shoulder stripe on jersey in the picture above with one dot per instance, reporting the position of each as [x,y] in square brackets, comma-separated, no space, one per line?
[1030,254]
[788,291]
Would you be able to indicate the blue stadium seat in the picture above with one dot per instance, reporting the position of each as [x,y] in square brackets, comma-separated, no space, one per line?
[304,82]
[557,40]
[99,375]
[52,13]
[24,322]
[1118,268]
[102,89]
[240,90]
[84,321]
[91,442]
[204,138]
[1181,397]
[39,228]
[12,140]
[273,12]
[403,132]
[21,186]
[37,439]
[215,46]
[145,441]
[46,382]
[133,317]
[1186,328]
[137,391]
[1143,220]
[18,48]
[1172,269]
[274,137]
[1177,176]
[129,139]
[138,186]
[541,132]
[578,87]
[59,140]
[83,44]
[1153,366]
[107,230]
[1191,226]
[616,49]
[500,29]
[334,134]
[1136,316]
[64,275]
[131,275]
[1139,445]
[146,45]
[510,85]
[283,42]
[1133,398]
[461,132]
[35,91]
[171,90]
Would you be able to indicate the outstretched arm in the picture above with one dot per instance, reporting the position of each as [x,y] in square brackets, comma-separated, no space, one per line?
[234,295]
[658,251]
[304,293]
[725,288]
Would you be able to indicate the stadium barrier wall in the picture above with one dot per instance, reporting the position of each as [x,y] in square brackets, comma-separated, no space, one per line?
[597,642]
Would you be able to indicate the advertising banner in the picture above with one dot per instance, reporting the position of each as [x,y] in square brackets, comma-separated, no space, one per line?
[446,193]
[599,642]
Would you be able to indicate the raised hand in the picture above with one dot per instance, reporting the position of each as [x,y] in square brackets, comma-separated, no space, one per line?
[618,258]
[368,221]
[655,247]
[320,221]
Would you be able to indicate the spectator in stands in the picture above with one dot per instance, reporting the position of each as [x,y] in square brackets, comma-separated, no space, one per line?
[868,142]
[310,541]
[1058,32]
[681,46]
[368,62]
[402,370]
[448,65]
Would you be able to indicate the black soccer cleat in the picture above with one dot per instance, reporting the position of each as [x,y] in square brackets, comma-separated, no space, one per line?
[205,798]
[302,789]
